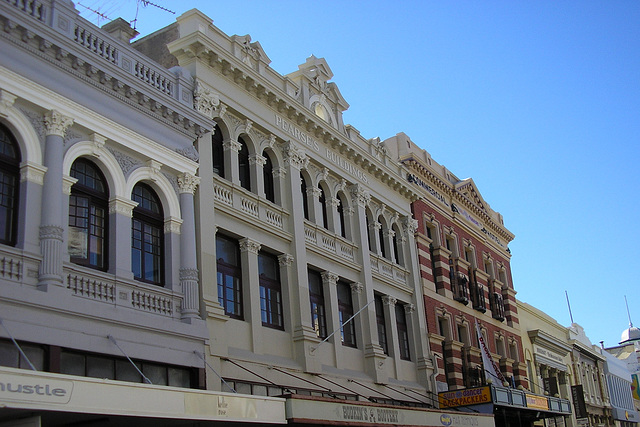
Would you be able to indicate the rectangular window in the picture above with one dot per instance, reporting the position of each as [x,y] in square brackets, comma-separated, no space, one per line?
[229,276]
[382,328]
[403,333]
[316,299]
[270,291]
[345,311]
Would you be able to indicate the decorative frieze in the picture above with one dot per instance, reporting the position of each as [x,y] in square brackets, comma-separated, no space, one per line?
[251,246]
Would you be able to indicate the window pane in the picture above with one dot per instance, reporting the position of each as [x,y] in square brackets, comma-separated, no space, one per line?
[9,355]
[125,371]
[179,377]
[100,367]
[72,364]
[156,374]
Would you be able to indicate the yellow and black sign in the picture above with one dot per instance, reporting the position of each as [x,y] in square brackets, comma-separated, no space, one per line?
[537,402]
[470,396]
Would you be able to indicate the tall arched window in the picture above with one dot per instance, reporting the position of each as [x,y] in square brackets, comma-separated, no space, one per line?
[88,207]
[147,254]
[243,165]
[9,179]
[217,152]
[305,203]
[267,172]
[323,205]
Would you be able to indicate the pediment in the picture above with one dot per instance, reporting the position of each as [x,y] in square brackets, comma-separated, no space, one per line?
[468,188]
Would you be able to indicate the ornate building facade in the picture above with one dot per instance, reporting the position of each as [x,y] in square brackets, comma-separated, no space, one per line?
[100,302]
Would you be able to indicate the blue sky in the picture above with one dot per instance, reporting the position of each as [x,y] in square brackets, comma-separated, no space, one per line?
[538,102]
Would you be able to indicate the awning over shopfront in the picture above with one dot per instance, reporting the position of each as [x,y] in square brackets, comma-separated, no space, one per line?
[29,392]
[318,410]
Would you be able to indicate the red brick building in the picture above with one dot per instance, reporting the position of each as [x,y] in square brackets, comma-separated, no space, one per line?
[465,272]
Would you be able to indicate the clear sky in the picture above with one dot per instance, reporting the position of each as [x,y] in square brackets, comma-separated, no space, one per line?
[538,102]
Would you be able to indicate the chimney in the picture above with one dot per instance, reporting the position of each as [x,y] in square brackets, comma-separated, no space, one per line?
[120,29]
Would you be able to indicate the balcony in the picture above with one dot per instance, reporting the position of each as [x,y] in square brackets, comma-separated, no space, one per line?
[245,205]
[319,238]
[460,288]
[497,307]
[107,289]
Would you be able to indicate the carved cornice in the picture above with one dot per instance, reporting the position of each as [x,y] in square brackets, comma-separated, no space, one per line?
[253,83]
[295,157]
[101,70]
[172,225]
[122,206]
[359,195]
[32,172]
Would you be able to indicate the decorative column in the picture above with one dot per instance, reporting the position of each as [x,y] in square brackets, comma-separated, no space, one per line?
[251,290]
[393,341]
[315,209]
[231,169]
[424,362]
[375,359]
[330,291]
[287,284]
[188,264]
[333,218]
[256,163]
[51,223]
[304,336]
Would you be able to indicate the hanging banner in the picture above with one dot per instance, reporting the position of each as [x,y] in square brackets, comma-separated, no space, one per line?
[635,384]
[491,370]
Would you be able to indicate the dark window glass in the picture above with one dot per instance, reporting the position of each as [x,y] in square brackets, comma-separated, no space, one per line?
[217,152]
[403,334]
[323,205]
[270,291]
[147,237]
[267,172]
[9,179]
[243,165]
[316,298]
[345,311]
[382,327]
[88,215]
[229,276]
[305,202]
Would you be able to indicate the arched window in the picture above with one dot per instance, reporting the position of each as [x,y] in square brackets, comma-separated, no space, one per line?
[243,165]
[9,179]
[323,205]
[267,172]
[147,254]
[305,203]
[88,207]
[217,152]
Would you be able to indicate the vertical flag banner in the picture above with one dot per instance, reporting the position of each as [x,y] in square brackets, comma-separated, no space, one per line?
[491,370]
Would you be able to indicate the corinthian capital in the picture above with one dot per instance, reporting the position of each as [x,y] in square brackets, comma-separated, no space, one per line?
[188,183]
[295,157]
[359,195]
[56,123]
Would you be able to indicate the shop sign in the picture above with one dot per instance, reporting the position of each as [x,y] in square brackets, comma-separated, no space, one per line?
[577,395]
[430,190]
[537,402]
[548,354]
[33,389]
[470,396]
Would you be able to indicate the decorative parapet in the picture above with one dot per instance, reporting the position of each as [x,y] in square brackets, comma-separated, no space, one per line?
[105,62]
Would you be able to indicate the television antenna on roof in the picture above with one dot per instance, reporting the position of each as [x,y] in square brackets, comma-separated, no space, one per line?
[104,10]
